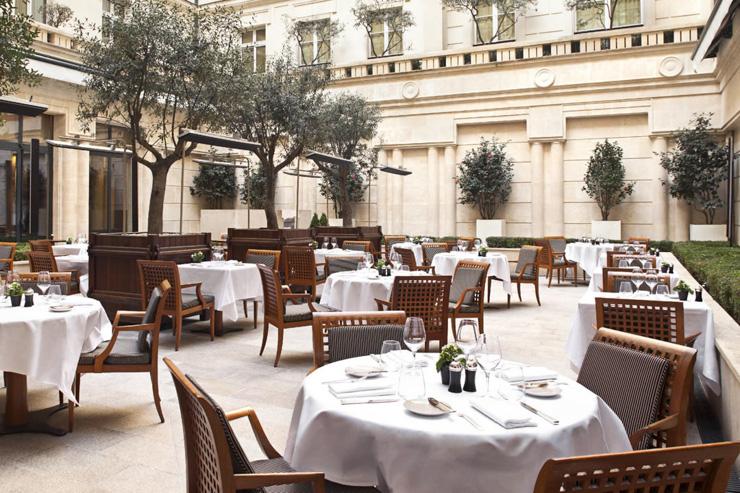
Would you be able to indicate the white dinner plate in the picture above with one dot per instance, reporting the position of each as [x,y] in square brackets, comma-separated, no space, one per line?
[422,407]
[60,308]
[549,390]
[363,371]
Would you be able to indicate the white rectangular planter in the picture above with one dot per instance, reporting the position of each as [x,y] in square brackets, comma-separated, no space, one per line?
[490,227]
[218,221]
[708,232]
[611,230]
[336,222]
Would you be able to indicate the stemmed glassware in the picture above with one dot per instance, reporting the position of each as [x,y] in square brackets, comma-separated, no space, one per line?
[467,335]
[651,280]
[55,293]
[334,243]
[625,288]
[369,261]
[477,243]
[414,335]
[218,254]
[661,290]
[389,347]
[488,355]
[395,259]
[325,243]
[43,281]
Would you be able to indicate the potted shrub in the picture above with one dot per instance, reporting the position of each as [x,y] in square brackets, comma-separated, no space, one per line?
[482,251]
[485,180]
[683,290]
[604,183]
[664,266]
[696,169]
[448,354]
[15,292]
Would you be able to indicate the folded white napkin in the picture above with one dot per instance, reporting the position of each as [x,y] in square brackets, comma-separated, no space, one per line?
[386,392]
[362,370]
[505,413]
[530,373]
[354,389]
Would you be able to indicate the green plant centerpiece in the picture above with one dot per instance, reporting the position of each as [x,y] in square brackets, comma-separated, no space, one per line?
[314,244]
[15,291]
[197,257]
[683,290]
[483,251]
[449,353]
[69,241]
[604,178]
[382,268]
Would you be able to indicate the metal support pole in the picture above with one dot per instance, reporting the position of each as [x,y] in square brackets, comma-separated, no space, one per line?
[182,186]
[297,191]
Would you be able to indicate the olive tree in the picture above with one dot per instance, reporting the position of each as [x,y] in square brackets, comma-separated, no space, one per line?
[305,32]
[485,177]
[158,68]
[604,179]
[371,13]
[508,11]
[16,39]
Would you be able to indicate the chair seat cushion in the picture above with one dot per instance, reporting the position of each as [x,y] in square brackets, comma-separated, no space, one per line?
[464,308]
[191,300]
[281,465]
[126,351]
[529,277]
[300,313]
[321,276]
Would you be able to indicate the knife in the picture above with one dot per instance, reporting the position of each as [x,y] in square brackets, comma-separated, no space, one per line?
[539,413]
[446,408]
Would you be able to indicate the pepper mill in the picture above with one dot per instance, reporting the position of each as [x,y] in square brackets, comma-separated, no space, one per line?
[698,295]
[470,372]
[455,378]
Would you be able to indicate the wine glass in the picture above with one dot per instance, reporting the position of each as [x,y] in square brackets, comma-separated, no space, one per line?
[369,261]
[661,290]
[414,335]
[218,254]
[404,268]
[389,347]
[55,293]
[467,335]
[488,355]
[325,243]
[395,259]
[334,243]
[43,281]
[360,266]
[651,280]
[625,288]
[623,264]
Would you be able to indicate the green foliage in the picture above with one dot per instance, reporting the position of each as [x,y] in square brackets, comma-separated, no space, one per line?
[351,185]
[372,12]
[508,10]
[15,289]
[57,15]
[159,68]
[323,220]
[682,287]
[215,183]
[716,265]
[325,30]
[449,353]
[604,179]
[597,9]
[21,251]
[314,221]
[485,177]
[697,167]
[16,39]
[252,189]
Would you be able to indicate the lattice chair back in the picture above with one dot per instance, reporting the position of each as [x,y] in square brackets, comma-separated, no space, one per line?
[341,264]
[209,467]
[269,258]
[432,249]
[427,297]
[42,261]
[271,290]
[545,254]
[358,246]
[677,385]
[391,240]
[528,263]
[662,320]
[643,241]
[613,259]
[41,245]
[300,265]
[407,257]
[152,273]
[692,469]
[7,253]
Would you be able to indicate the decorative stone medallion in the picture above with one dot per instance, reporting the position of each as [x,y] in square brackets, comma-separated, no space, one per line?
[410,90]
[670,66]
[544,78]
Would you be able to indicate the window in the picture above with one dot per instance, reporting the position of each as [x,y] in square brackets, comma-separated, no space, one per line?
[35,8]
[314,40]
[492,25]
[608,14]
[254,43]
[385,39]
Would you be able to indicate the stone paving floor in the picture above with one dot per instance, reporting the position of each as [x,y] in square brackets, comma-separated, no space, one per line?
[118,444]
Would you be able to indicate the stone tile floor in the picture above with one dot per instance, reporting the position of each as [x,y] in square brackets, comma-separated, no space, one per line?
[118,444]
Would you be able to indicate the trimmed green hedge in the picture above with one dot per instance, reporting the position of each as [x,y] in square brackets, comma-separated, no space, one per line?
[519,241]
[717,266]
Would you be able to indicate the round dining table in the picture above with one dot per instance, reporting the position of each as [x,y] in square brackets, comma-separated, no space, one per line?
[498,265]
[383,445]
[45,346]
[69,249]
[357,290]
[588,257]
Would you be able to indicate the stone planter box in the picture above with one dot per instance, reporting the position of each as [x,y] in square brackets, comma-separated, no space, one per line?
[708,232]
[611,230]
[490,227]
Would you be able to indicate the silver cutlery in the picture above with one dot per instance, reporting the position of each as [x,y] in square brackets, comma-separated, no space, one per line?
[448,409]
[539,413]
[369,401]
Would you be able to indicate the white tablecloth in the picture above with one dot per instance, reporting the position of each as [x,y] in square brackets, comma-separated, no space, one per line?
[46,346]
[418,253]
[355,291]
[228,282]
[698,319]
[69,249]
[588,256]
[498,265]
[79,263]
[597,281]
[384,445]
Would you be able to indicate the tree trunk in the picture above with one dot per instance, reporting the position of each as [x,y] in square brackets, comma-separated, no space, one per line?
[270,214]
[156,199]
[345,204]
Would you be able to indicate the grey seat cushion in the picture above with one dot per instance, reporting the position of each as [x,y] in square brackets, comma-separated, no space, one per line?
[629,381]
[464,308]
[464,279]
[360,340]
[33,285]
[299,313]
[5,251]
[281,465]
[126,351]
[4,266]
[191,300]
[341,264]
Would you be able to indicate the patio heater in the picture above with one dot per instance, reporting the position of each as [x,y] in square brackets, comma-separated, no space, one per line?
[213,140]
[401,171]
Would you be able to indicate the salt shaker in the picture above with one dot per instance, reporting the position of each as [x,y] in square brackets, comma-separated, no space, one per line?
[471,368]
[455,377]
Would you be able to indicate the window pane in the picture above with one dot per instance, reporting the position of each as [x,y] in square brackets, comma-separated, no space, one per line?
[485,29]
[324,52]
[485,8]
[247,36]
[261,34]
[307,53]
[590,18]
[260,59]
[378,43]
[37,7]
[506,27]
[395,44]
[377,26]
[626,13]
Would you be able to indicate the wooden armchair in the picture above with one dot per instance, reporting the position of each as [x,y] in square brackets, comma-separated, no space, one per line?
[554,252]
[61,279]
[270,258]
[216,462]
[178,304]
[300,269]
[7,255]
[470,242]
[41,261]
[353,334]
[341,264]
[640,240]
[408,258]
[431,249]
[359,246]
[527,271]
[612,278]
[695,469]
[281,314]
[390,240]
[427,297]
[662,320]
[132,349]
[41,245]
[613,258]
[466,293]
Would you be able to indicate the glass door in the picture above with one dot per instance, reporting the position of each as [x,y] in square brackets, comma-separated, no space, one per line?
[8,167]
[111,193]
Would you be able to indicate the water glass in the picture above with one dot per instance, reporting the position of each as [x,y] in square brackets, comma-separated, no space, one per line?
[325,243]
[55,294]
[625,288]
[477,243]
[411,383]
[334,243]
[360,266]
[43,281]
[369,261]
[414,335]
[405,268]
[389,347]
[467,335]
[662,290]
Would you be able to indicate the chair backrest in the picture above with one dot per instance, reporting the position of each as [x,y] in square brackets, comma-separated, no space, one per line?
[470,242]
[270,258]
[341,264]
[391,240]
[351,334]
[61,279]
[7,254]
[427,297]
[271,293]
[207,453]
[662,320]
[41,245]
[695,469]
[149,341]
[641,240]
[613,259]
[545,254]
[557,243]
[358,245]
[529,261]
[151,275]
[407,257]
[468,274]
[678,382]
[432,249]
[300,265]
[632,249]
[42,261]
[614,279]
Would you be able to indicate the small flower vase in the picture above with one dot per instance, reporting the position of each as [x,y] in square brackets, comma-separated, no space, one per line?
[455,381]
[28,299]
[683,295]
[15,300]
[445,373]
[469,380]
